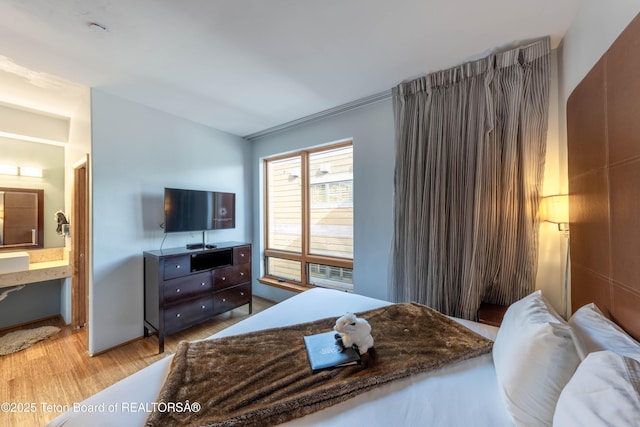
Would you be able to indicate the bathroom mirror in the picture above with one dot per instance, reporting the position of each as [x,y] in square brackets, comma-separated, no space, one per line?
[21,218]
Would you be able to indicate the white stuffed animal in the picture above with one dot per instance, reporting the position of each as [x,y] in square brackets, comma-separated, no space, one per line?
[354,332]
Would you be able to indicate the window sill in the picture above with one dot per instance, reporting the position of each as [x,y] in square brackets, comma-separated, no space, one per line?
[293,287]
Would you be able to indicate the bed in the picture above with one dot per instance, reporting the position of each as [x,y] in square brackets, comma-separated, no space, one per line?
[539,372]
[435,396]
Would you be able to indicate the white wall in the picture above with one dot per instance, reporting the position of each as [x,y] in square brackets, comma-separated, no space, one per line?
[371,129]
[137,151]
[595,27]
[33,125]
[553,243]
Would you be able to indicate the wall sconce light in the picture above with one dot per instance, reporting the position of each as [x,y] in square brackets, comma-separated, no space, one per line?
[555,209]
[22,171]
[29,171]
[8,170]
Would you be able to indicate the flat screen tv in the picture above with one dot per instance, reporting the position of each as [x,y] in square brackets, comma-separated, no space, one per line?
[197,210]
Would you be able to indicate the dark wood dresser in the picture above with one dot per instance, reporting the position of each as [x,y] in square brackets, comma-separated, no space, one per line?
[184,287]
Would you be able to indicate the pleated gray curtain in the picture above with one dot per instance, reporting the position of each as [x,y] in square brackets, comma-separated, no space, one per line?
[470,147]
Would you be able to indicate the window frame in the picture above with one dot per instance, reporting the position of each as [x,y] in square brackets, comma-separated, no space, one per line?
[304,257]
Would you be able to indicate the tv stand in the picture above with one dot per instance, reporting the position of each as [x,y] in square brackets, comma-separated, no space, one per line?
[199,245]
[183,287]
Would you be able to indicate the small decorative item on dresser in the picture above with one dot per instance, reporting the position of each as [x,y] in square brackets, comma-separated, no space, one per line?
[491,314]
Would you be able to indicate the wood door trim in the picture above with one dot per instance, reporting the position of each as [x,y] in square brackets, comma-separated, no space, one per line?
[79,244]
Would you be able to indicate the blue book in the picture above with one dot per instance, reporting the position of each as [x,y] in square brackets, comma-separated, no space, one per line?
[324,352]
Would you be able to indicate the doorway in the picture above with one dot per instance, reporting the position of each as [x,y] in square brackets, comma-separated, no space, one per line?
[80,244]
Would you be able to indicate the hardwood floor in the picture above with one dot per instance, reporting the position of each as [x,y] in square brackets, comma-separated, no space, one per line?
[58,371]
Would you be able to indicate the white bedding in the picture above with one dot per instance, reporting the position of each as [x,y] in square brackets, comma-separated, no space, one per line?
[459,395]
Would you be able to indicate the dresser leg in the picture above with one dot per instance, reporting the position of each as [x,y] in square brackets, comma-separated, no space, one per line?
[160,342]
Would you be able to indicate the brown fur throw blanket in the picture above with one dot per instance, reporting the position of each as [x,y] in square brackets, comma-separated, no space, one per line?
[264,377]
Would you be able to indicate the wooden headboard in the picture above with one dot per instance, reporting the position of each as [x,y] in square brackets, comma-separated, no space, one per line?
[603,131]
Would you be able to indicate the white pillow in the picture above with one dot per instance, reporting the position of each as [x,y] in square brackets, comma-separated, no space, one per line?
[598,333]
[534,358]
[603,392]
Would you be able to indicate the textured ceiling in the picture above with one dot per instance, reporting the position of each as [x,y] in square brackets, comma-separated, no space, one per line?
[243,66]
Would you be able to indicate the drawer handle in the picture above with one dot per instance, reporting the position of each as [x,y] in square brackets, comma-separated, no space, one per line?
[224,300]
[178,267]
[203,307]
[224,278]
[202,284]
[241,254]
[242,294]
[242,274]
[178,315]
[178,290]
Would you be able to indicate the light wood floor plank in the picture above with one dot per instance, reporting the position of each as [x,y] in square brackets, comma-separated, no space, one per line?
[59,371]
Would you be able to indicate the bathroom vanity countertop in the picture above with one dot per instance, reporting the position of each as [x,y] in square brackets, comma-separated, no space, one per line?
[45,264]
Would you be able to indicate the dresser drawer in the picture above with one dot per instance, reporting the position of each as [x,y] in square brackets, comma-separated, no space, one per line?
[231,276]
[231,298]
[242,254]
[176,267]
[185,314]
[187,286]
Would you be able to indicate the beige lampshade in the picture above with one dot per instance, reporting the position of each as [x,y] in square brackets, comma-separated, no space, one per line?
[555,209]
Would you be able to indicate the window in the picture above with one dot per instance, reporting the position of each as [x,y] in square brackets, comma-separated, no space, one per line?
[309,218]
[340,193]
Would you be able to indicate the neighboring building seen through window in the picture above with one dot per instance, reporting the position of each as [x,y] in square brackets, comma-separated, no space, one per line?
[309,217]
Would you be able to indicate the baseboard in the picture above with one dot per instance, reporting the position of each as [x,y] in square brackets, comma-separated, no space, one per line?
[98,353]
[57,317]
